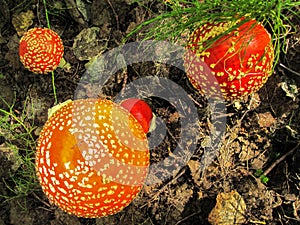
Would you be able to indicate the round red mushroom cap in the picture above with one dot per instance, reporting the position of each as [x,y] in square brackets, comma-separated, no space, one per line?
[237,64]
[92,158]
[140,110]
[41,50]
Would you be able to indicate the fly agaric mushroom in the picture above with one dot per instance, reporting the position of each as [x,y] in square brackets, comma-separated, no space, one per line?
[92,158]
[140,110]
[239,62]
[41,50]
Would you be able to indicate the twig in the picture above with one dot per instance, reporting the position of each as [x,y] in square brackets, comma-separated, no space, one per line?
[187,217]
[270,168]
[114,12]
[42,201]
[164,187]
[257,222]
[125,75]
[290,70]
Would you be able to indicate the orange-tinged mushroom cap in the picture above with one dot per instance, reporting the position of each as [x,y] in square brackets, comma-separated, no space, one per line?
[92,158]
[240,61]
[41,50]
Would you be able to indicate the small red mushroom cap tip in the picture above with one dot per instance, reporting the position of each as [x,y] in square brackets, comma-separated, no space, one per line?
[141,111]
[41,50]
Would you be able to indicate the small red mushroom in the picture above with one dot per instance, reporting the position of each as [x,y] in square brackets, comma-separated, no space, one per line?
[41,50]
[239,62]
[92,158]
[140,110]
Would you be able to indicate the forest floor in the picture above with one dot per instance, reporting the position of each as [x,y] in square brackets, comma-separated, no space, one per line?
[261,133]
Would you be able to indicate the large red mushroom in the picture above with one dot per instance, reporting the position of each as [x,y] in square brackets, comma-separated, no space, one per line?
[238,63]
[92,158]
[41,50]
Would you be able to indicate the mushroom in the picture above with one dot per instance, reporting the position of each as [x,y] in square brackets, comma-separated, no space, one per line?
[92,158]
[238,63]
[41,50]
[140,110]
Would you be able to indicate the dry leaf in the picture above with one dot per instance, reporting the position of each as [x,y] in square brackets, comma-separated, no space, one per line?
[229,209]
[22,21]
[290,88]
[265,119]
[89,43]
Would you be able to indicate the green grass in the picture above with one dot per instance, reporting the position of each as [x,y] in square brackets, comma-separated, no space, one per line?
[184,16]
[18,130]
[20,145]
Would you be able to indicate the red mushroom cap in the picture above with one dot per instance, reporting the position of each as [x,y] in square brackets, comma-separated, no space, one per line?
[140,110]
[240,62]
[41,50]
[92,158]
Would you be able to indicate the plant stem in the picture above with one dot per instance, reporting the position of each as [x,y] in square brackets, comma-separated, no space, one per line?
[54,88]
[270,168]
[46,14]
[53,78]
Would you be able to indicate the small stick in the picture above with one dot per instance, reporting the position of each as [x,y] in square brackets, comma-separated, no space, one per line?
[114,12]
[292,71]
[270,168]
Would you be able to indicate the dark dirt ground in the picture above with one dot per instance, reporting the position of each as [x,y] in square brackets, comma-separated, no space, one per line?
[262,131]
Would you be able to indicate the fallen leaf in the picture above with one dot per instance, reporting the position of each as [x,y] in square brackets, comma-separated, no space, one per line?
[22,21]
[89,43]
[229,209]
[265,119]
[290,89]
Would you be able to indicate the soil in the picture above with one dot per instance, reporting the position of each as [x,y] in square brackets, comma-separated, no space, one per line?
[262,131]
